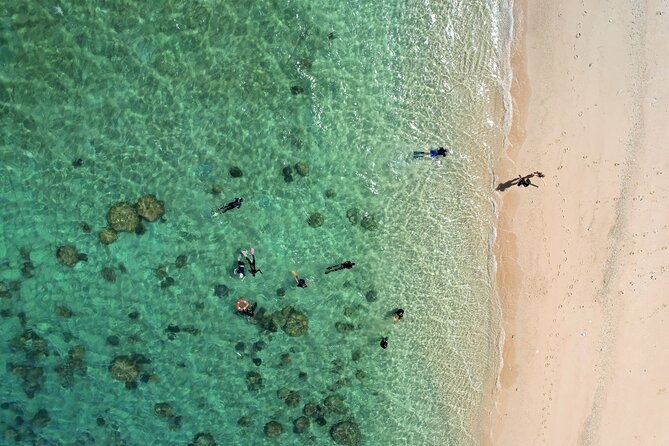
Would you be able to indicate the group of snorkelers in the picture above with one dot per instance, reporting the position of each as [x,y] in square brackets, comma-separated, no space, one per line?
[240,270]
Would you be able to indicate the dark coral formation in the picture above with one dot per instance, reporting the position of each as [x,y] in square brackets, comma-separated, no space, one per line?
[128,369]
[296,323]
[290,397]
[287,174]
[32,377]
[236,172]
[353,215]
[316,219]
[301,424]
[150,208]
[302,168]
[335,404]
[344,327]
[273,429]
[203,439]
[74,364]
[69,256]
[369,222]
[108,236]
[254,381]
[221,290]
[123,217]
[181,261]
[346,433]
[109,274]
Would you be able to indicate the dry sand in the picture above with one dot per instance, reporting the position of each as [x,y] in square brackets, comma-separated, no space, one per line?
[583,260]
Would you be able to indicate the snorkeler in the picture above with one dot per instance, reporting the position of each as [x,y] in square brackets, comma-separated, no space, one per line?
[432,153]
[301,283]
[345,265]
[250,311]
[236,203]
[252,262]
[384,342]
[240,268]
[398,315]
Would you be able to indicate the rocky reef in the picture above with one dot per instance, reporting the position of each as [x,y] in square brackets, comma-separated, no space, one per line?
[150,208]
[68,255]
[346,433]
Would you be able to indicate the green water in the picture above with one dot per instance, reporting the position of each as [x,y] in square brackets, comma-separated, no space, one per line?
[164,98]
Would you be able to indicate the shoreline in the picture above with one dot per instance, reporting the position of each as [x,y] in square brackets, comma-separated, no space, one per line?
[580,259]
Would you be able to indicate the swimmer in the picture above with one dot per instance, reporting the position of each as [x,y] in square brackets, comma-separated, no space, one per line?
[345,265]
[252,263]
[301,283]
[236,203]
[432,153]
[250,311]
[384,342]
[240,268]
[398,315]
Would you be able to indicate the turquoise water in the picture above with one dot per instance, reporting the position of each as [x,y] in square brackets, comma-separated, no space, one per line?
[165,98]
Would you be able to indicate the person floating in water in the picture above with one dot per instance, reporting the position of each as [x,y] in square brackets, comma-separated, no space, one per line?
[345,265]
[252,262]
[432,153]
[398,315]
[236,203]
[301,283]
[384,342]
[240,268]
[250,311]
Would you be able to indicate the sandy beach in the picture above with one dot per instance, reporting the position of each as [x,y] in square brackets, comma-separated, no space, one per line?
[583,259]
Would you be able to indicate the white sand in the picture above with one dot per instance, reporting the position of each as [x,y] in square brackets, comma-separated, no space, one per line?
[583,260]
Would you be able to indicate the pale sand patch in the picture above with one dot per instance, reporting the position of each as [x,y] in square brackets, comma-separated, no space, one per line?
[583,260]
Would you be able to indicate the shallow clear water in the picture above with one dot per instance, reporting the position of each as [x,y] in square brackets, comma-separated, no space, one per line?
[165,98]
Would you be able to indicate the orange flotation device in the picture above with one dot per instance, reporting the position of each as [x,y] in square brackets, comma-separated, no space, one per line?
[241,305]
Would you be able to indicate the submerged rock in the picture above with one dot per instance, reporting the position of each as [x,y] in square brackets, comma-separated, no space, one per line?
[150,208]
[221,290]
[346,433]
[108,236]
[203,439]
[353,215]
[302,168]
[69,256]
[236,172]
[316,219]
[296,323]
[301,424]
[123,217]
[273,429]
[254,381]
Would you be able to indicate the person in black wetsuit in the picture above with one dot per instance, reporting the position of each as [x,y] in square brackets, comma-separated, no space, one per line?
[384,342]
[250,311]
[345,265]
[432,153]
[236,203]
[398,315]
[252,262]
[240,268]
[301,283]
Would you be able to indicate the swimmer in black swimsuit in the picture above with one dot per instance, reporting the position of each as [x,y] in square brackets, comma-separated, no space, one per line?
[252,262]
[345,265]
[240,268]
[236,203]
